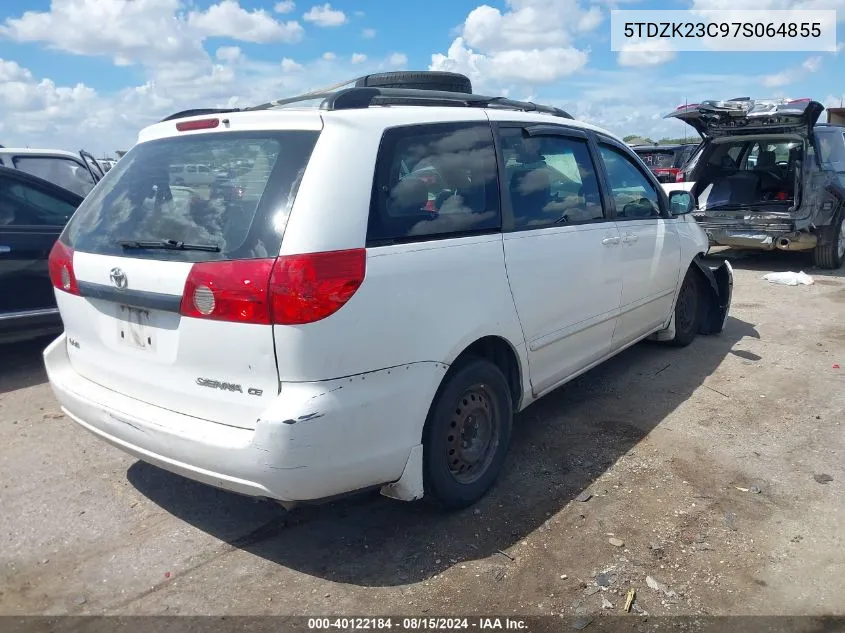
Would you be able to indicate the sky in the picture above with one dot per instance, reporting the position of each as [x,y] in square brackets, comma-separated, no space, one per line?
[91,73]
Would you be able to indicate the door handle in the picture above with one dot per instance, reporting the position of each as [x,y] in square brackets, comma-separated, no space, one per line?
[610,241]
[630,238]
[5,249]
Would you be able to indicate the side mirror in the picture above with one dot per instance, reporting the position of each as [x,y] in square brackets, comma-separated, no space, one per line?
[681,202]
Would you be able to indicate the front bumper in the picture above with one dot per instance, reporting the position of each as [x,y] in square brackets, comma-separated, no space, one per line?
[317,440]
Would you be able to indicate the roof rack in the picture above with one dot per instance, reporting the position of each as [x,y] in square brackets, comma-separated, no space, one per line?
[364,97]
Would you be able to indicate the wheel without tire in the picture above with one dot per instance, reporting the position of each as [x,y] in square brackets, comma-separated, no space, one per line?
[467,434]
[446,82]
[832,254]
[688,309]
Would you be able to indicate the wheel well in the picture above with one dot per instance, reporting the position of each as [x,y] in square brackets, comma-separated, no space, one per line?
[499,352]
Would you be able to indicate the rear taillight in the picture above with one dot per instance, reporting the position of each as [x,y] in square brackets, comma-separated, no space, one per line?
[307,288]
[290,290]
[680,177]
[60,265]
[228,291]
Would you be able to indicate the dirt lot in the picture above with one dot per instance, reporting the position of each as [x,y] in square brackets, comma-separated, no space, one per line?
[702,461]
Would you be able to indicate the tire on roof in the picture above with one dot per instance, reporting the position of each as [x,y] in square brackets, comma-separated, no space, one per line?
[418,80]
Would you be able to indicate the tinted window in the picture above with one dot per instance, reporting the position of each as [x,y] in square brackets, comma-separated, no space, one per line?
[633,193]
[550,180]
[244,213]
[64,172]
[23,205]
[434,181]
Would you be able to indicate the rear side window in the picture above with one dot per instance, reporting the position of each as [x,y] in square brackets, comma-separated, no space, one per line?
[434,182]
[242,207]
[64,172]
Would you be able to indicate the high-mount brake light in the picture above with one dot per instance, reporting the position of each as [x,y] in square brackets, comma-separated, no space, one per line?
[289,290]
[199,124]
[60,266]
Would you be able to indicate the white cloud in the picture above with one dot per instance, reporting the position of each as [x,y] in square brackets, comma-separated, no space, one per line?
[397,59]
[229,54]
[517,65]
[532,41]
[368,34]
[229,19]
[646,53]
[151,32]
[325,16]
[290,66]
[285,6]
[358,58]
[791,75]
[329,56]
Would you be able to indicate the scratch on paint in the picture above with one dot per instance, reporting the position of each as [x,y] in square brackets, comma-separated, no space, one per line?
[325,393]
[304,418]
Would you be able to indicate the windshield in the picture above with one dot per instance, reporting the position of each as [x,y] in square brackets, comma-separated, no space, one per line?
[239,200]
[831,149]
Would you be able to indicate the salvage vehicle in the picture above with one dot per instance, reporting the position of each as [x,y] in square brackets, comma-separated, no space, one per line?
[400,271]
[77,172]
[666,161]
[768,176]
[33,212]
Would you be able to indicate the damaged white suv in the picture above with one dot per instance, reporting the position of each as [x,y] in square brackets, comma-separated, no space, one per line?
[370,292]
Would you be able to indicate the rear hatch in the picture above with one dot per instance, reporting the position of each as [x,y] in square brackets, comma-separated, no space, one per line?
[163,289]
[748,116]
[664,162]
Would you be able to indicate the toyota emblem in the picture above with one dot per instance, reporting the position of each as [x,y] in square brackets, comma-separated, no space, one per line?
[118,278]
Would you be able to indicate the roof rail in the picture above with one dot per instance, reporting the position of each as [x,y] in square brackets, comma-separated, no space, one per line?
[364,97]
[197,112]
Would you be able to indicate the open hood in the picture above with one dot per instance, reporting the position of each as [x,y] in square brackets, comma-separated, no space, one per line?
[748,116]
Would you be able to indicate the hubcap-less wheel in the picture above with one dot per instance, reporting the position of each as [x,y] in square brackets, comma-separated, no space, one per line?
[473,435]
[840,246]
[687,305]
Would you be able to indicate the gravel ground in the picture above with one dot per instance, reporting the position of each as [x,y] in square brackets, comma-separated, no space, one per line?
[702,464]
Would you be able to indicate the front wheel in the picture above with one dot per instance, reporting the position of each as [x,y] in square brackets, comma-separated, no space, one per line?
[467,434]
[687,311]
[832,255]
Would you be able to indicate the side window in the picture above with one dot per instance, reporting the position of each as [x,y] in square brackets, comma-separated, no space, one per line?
[434,181]
[633,193]
[22,205]
[550,180]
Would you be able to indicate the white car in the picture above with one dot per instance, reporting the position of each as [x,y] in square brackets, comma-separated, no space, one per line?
[396,283]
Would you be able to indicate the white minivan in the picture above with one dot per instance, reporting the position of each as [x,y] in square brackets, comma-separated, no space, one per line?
[402,272]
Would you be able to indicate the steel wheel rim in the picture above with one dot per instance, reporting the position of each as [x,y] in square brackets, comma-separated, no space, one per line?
[686,307]
[472,434]
[840,245]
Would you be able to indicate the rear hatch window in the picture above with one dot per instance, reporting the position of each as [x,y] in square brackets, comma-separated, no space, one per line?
[659,159]
[238,202]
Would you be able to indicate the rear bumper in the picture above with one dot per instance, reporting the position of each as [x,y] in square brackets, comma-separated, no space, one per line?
[317,440]
[762,236]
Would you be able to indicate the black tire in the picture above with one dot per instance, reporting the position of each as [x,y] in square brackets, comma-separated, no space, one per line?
[467,434]
[416,80]
[831,256]
[688,310]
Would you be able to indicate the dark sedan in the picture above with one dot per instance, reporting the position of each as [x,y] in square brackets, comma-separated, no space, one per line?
[33,213]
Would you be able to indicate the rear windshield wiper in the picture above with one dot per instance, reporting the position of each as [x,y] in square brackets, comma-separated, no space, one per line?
[171,245]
